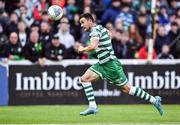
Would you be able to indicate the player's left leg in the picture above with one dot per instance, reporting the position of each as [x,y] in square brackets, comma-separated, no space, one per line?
[136,91]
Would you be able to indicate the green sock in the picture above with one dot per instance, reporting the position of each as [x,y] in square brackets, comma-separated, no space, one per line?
[88,89]
[135,91]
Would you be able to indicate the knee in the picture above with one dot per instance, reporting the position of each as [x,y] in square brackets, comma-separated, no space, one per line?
[126,88]
[82,80]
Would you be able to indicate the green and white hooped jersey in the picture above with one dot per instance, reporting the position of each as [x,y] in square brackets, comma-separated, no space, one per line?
[104,51]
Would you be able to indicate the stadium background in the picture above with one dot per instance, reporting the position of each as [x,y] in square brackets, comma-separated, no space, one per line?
[27,79]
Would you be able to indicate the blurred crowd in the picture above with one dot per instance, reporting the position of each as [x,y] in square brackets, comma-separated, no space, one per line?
[26,32]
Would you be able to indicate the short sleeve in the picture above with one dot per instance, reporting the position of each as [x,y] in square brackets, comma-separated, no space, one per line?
[95,33]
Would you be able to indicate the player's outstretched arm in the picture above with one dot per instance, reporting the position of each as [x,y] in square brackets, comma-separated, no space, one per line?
[92,46]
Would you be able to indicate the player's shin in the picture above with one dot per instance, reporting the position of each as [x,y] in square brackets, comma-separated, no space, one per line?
[88,89]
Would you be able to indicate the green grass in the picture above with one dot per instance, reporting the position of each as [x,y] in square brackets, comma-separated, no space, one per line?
[108,114]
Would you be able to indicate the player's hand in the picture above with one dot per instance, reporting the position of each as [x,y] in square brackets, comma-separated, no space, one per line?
[80,49]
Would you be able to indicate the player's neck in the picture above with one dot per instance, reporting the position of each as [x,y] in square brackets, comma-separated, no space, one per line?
[93,25]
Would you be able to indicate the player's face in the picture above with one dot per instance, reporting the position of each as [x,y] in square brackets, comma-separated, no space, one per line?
[85,24]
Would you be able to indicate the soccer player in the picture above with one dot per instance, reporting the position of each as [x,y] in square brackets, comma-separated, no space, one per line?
[108,67]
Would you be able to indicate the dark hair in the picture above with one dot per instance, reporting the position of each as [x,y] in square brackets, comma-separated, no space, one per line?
[23,6]
[88,16]
[141,15]
[64,17]
[174,24]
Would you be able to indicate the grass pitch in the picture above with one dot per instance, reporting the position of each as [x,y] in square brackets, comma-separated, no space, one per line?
[108,114]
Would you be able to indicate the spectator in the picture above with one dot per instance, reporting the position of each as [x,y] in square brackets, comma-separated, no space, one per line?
[161,39]
[111,13]
[30,4]
[87,9]
[55,50]
[178,20]
[124,47]
[116,41]
[34,50]
[143,52]
[172,6]
[45,17]
[22,34]
[139,31]
[86,6]
[160,3]
[2,7]
[84,37]
[3,42]
[129,2]
[142,9]
[41,6]
[18,11]
[64,34]
[35,26]
[142,25]
[126,16]
[172,35]
[164,18]
[138,4]
[4,19]
[71,9]
[13,48]
[172,17]
[92,6]
[58,2]
[176,43]
[87,3]
[106,3]
[12,27]
[73,52]
[20,3]
[178,12]
[28,20]
[45,33]
[75,28]
[118,24]
[112,29]
[165,53]
[135,36]
[98,8]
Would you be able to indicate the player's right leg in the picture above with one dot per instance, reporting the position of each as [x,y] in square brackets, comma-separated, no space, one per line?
[115,73]
[86,80]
